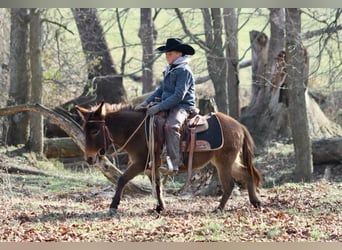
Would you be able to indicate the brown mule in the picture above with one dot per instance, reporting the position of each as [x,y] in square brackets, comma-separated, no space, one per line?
[105,124]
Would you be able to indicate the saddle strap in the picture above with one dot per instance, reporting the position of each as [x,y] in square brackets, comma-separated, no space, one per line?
[191,154]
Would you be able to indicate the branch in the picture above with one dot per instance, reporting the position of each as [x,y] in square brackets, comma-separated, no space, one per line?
[327,30]
[71,128]
[245,64]
[198,41]
[58,24]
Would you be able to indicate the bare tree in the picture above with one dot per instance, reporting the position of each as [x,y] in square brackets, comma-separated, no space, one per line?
[297,106]
[101,68]
[214,51]
[232,57]
[266,116]
[216,61]
[36,120]
[146,35]
[17,131]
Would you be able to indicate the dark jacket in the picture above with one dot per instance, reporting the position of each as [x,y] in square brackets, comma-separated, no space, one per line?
[177,90]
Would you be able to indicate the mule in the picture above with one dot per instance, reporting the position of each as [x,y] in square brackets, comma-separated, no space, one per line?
[121,125]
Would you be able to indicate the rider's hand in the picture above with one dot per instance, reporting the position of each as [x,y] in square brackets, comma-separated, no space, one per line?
[141,106]
[153,110]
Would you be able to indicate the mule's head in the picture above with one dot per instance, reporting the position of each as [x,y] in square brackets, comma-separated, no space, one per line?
[95,132]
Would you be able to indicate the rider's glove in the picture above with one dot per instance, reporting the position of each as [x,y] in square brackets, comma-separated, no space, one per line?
[141,106]
[153,110]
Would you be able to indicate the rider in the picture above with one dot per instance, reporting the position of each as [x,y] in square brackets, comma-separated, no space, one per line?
[177,95]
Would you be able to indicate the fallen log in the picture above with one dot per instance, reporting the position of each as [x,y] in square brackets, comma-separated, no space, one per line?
[61,147]
[108,169]
[326,151]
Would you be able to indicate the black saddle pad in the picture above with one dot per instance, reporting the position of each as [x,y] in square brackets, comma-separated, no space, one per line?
[214,133]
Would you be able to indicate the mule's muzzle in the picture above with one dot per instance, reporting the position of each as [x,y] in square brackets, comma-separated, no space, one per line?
[102,152]
[93,158]
[90,160]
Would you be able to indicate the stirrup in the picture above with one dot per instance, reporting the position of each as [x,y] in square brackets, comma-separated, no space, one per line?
[165,170]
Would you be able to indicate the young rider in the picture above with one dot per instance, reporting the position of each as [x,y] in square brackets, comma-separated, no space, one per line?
[177,95]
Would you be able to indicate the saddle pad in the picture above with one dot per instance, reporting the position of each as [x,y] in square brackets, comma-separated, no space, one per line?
[213,135]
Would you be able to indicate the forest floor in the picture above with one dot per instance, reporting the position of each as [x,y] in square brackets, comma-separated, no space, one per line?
[50,203]
[42,201]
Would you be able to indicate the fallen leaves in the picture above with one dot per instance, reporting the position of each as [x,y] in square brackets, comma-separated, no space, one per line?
[291,212]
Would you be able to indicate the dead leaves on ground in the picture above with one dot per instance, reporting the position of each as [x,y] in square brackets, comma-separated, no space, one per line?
[301,212]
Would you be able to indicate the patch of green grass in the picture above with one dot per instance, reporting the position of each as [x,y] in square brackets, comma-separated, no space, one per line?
[316,235]
[274,232]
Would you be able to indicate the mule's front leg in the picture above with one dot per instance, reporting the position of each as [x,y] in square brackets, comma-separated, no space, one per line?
[129,174]
[117,197]
[159,192]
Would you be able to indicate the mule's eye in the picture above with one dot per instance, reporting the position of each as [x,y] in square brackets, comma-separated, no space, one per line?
[94,132]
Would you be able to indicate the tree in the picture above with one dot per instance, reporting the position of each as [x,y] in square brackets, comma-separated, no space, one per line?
[102,74]
[17,130]
[214,51]
[266,116]
[216,61]
[104,82]
[36,120]
[4,55]
[146,35]
[232,57]
[297,106]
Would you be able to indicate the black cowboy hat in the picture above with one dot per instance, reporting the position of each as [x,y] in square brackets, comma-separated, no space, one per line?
[176,44]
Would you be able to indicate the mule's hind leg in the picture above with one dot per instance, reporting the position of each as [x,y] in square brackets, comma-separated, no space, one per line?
[226,180]
[241,173]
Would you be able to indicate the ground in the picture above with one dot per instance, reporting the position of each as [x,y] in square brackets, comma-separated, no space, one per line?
[65,205]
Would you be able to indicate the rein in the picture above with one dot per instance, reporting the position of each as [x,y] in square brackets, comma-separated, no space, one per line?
[107,136]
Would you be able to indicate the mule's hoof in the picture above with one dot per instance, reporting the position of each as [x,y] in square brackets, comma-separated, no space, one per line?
[217,211]
[159,209]
[256,204]
[112,212]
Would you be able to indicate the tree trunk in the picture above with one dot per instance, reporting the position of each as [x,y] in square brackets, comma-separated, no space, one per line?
[4,48]
[104,82]
[36,120]
[102,75]
[147,41]
[17,130]
[297,106]
[277,38]
[231,28]
[266,117]
[216,61]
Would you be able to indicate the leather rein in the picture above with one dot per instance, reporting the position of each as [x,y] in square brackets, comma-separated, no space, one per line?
[108,138]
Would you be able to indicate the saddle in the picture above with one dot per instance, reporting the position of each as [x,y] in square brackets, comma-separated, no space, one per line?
[199,134]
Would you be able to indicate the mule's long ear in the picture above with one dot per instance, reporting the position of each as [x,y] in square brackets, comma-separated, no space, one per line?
[100,110]
[81,111]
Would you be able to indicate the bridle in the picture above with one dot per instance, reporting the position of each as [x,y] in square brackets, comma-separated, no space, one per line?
[108,138]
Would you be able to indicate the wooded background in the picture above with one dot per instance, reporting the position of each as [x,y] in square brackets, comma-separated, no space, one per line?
[277,71]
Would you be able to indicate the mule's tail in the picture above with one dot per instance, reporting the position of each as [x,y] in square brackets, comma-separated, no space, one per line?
[247,156]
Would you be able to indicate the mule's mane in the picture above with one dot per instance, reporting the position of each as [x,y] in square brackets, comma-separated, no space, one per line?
[110,108]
